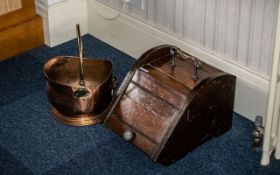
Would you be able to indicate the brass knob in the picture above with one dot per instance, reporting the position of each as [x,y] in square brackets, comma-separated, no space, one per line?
[128,135]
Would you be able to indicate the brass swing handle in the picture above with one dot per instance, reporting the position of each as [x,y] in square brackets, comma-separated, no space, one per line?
[185,56]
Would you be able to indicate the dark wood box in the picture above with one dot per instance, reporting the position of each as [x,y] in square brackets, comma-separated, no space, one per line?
[170,103]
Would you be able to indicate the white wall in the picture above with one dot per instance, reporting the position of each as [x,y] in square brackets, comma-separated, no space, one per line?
[60,18]
[241,31]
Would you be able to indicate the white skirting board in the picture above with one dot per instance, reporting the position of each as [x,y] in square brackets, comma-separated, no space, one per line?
[60,18]
[49,2]
[135,37]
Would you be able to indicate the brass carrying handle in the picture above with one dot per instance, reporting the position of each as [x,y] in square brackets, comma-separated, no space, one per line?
[80,47]
[197,64]
[81,91]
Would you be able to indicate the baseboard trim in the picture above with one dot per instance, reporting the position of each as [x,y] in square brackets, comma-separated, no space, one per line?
[60,18]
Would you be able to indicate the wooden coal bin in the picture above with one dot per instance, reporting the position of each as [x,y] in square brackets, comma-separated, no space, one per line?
[170,103]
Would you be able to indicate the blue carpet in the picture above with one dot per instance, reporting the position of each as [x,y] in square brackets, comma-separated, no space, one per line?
[32,142]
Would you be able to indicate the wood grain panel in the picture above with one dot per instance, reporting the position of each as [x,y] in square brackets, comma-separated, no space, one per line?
[21,38]
[137,115]
[26,13]
[161,90]
[152,103]
[139,140]
[7,6]
[183,71]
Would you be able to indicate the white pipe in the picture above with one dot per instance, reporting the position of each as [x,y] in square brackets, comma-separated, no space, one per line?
[277,147]
[268,140]
[275,116]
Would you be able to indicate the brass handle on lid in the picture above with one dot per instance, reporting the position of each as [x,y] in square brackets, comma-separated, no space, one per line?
[185,56]
[173,53]
[197,65]
[128,135]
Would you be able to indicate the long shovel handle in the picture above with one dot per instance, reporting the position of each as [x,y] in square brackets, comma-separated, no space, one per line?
[80,47]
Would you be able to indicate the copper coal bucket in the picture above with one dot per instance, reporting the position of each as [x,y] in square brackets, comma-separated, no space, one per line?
[62,74]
